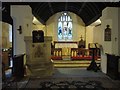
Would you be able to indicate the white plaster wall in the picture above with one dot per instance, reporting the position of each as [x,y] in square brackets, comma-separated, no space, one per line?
[27,24]
[0,36]
[22,16]
[107,45]
[0,55]
[119,31]
[115,31]
[51,27]
[97,34]
[39,27]
[89,35]
[98,37]
[119,36]
[78,28]
[5,35]
[110,17]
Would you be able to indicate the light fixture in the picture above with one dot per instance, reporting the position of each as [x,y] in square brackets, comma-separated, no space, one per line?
[20,29]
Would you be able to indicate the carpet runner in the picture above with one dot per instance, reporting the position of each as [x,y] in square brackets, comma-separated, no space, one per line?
[94,85]
[65,84]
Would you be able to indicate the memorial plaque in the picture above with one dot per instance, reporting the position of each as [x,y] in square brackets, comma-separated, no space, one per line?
[107,33]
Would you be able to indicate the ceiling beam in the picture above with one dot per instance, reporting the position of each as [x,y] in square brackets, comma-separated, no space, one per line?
[93,8]
[50,6]
[83,5]
[66,6]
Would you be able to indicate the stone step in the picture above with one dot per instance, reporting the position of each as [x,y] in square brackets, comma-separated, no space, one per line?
[41,72]
[73,62]
[67,64]
[71,65]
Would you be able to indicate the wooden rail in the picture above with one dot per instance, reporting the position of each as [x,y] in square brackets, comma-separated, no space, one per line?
[83,54]
[56,53]
[75,54]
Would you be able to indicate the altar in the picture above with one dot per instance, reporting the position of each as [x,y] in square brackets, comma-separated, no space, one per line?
[66,46]
[61,44]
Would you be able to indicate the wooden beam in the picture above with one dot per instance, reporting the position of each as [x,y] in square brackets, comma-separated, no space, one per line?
[83,5]
[50,6]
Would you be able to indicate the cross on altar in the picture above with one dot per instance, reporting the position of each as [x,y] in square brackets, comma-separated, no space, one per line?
[38,36]
[81,37]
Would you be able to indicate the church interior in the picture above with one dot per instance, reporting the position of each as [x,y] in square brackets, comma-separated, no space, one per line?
[41,40]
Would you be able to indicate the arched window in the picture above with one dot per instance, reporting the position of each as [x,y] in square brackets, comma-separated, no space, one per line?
[64,27]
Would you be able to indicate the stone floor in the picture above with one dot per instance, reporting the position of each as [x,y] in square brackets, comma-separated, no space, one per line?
[76,72]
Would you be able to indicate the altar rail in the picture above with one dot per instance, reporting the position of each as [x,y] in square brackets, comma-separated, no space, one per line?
[83,54]
[75,54]
[56,53]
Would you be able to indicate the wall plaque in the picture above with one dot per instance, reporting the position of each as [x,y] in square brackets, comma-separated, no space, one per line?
[107,36]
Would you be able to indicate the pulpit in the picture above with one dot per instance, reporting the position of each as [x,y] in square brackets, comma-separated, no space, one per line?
[38,56]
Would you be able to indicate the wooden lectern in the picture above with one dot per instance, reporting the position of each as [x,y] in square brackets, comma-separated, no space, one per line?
[93,64]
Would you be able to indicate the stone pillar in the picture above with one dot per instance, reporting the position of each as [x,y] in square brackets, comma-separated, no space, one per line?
[22,16]
[39,57]
[0,54]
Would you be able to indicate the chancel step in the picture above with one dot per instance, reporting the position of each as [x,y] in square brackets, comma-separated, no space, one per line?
[73,64]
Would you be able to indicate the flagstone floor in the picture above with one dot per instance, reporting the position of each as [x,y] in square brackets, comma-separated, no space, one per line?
[76,73]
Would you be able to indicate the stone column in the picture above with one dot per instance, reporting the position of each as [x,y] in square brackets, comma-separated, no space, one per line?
[38,57]
[22,16]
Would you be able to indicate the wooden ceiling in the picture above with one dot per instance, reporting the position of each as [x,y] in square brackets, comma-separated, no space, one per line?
[88,11]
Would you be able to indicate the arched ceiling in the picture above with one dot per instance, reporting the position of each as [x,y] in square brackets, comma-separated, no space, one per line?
[88,11]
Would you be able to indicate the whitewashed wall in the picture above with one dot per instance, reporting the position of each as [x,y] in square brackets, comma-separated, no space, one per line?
[110,17]
[22,16]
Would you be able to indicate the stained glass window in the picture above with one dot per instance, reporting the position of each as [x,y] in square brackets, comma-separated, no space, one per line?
[64,27]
